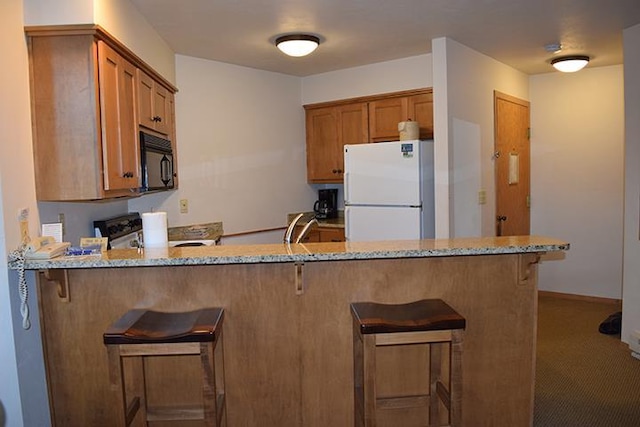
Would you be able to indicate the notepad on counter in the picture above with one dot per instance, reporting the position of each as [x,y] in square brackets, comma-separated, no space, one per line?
[54,230]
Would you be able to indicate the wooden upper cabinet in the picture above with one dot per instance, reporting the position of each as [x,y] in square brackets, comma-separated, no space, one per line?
[322,143]
[155,105]
[420,109]
[332,125]
[85,98]
[386,113]
[120,142]
[328,130]
[384,116]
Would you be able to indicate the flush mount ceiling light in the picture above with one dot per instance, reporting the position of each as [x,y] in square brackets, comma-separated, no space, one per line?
[570,64]
[297,44]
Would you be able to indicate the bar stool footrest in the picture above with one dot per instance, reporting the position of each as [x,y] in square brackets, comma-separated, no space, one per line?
[402,402]
[443,394]
[132,409]
[175,413]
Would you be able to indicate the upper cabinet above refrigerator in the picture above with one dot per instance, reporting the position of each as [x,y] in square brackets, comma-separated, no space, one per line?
[332,125]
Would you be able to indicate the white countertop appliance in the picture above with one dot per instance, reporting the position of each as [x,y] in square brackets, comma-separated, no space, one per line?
[389,191]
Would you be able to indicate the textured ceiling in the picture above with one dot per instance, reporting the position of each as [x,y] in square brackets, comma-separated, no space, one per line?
[361,32]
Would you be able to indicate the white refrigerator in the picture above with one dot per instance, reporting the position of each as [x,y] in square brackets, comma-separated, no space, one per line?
[389,191]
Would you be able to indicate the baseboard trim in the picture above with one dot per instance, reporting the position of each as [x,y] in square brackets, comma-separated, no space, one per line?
[602,300]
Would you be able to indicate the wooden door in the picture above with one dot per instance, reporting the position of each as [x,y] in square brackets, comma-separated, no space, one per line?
[118,94]
[512,165]
[421,111]
[384,116]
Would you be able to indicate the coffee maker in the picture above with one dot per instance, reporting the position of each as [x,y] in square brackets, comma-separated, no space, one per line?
[326,206]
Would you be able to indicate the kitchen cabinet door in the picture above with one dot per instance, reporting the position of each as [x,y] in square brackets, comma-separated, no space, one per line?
[321,234]
[329,234]
[120,142]
[329,129]
[322,144]
[155,105]
[420,109]
[384,116]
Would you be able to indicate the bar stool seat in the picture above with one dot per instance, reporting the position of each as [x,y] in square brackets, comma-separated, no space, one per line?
[140,333]
[429,321]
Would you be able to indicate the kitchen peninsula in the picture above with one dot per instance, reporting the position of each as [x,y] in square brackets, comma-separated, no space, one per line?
[288,357]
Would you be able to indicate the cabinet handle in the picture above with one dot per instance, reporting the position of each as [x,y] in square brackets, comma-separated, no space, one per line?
[156,119]
[127,175]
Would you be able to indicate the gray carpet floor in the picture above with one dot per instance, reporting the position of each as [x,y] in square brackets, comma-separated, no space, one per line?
[583,378]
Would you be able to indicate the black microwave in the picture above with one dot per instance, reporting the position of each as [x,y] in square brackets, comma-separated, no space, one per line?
[157,162]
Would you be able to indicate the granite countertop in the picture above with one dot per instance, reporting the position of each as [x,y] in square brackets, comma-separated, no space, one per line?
[309,252]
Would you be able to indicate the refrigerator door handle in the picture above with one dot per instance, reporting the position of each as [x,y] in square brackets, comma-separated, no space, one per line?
[346,187]
[347,222]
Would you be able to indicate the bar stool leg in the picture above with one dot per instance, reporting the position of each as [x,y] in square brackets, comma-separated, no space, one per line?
[218,363]
[208,384]
[358,398]
[435,376]
[115,379]
[369,379]
[135,385]
[455,386]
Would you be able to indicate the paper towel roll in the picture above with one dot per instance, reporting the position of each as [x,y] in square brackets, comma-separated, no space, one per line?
[154,230]
[409,130]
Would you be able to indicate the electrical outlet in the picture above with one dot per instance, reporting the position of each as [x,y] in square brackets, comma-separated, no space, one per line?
[184,206]
[23,220]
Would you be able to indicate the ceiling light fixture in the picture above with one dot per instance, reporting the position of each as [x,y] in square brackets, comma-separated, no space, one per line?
[570,64]
[297,44]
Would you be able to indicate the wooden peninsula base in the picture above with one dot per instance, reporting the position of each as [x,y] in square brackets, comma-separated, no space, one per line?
[288,342]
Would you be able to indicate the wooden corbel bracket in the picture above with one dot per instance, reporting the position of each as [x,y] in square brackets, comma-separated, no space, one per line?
[59,277]
[299,277]
[526,264]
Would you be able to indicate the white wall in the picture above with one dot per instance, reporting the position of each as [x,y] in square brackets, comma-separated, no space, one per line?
[122,20]
[17,191]
[241,148]
[631,278]
[577,145]
[465,81]
[390,76]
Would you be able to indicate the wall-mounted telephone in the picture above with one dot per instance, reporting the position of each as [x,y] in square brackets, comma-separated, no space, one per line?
[45,247]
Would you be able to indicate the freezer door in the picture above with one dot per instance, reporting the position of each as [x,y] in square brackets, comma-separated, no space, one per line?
[385,173]
[364,223]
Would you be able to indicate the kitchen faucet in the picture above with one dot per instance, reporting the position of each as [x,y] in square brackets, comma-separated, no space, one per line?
[306,228]
[289,233]
[292,225]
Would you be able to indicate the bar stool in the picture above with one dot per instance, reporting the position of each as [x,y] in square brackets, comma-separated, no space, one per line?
[140,333]
[429,321]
